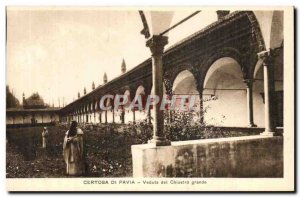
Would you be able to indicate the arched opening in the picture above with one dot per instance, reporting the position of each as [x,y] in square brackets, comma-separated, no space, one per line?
[18,119]
[273,37]
[258,92]
[92,112]
[126,114]
[185,85]
[224,94]
[83,117]
[109,102]
[138,114]
[9,120]
[39,118]
[87,113]
[96,110]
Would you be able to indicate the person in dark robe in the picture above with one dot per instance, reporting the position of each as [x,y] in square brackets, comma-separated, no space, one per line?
[73,151]
[45,135]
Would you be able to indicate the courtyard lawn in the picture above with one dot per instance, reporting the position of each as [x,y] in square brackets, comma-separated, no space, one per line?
[107,147]
[108,154]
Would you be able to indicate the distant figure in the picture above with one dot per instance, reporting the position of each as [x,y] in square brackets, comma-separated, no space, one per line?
[45,135]
[73,151]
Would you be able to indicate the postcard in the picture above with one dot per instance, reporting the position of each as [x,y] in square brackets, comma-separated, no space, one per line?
[150,99]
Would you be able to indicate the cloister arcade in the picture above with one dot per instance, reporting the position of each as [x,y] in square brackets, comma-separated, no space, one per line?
[219,64]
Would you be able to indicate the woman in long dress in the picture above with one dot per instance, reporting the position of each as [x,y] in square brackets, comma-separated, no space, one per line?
[73,151]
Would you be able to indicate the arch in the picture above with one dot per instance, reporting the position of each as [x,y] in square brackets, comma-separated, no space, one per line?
[86,108]
[140,90]
[277,30]
[225,52]
[275,35]
[258,89]
[257,67]
[172,75]
[109,102]
[96,105]
[224,65]
[127,94]
[270,26]
[184,83]
[257,33]
[224,80]
[137,114]
[91,107]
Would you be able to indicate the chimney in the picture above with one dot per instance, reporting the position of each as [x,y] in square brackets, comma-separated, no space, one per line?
[123,66]
[84,91]
[93,86]
[78,94]
[105,78]
[222,14]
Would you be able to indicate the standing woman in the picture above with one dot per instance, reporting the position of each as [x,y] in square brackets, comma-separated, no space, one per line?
[73,150]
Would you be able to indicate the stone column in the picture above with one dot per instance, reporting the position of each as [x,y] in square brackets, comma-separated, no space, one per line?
[105,116]
[113,114]
[249,85]
[156,45]
[201,114]
[100,117]
[169,87]
[267,63]
[122,116]
[149,115]
[133,112]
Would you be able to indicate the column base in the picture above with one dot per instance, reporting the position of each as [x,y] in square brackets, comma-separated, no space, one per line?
[267,133]
[159,141]
[252,125]
[271,132]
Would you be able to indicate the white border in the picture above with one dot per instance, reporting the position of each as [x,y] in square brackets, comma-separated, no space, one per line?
[3,3]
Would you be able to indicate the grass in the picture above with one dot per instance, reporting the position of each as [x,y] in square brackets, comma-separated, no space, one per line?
[108,148]
[108,153]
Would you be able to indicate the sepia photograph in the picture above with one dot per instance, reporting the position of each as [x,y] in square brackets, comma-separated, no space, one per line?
[149,98]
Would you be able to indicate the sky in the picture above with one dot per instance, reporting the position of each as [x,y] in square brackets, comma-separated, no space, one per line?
[58,51]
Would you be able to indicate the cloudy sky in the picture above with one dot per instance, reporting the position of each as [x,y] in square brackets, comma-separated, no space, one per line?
[59,51]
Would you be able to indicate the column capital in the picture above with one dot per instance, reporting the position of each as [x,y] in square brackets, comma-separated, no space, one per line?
[268,55]
[248,82]
[157,44]
[264,56]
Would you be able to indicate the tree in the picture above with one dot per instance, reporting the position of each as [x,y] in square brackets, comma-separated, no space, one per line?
[11,100]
